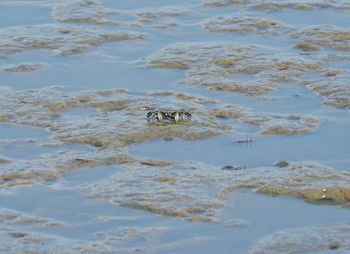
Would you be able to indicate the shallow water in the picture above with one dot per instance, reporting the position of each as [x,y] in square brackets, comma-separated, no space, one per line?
[263,163]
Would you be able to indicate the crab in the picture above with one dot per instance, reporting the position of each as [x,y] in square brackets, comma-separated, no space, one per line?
[167,115]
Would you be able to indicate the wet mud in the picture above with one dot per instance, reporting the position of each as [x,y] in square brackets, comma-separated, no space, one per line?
[238,68]
[317,239]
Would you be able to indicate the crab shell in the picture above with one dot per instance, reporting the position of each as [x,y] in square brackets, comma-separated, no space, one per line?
[169,115]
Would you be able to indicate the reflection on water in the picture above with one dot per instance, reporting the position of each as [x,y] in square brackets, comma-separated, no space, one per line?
[82,170]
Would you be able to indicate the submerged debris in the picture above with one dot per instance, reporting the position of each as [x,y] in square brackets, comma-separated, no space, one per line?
[282,164]
[247,140]
[229,167]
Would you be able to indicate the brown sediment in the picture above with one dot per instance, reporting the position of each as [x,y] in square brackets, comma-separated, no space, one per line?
[5,118]
[86,140]
[60,106]
[286,125]
[246,24]
[175,202]
[334,95]
[110,106]
[150,14]
[164,17]
[325,36]
[23,67]
[215,66]
[59,39]
[4,161]
[247,89]
[226,62]
[121,122]
[156,163]
[278,5]
[199,100]
[82,11]
[18,234]
[230,114]
[331,195]
[31,241]
[282,164]
[306,46]
[198,192]
[312,239]
[166,179]
[27,175]
[311,182]
[296,65]
[312,38]
[92,12]
[285,130]
[11,217]
[331,73]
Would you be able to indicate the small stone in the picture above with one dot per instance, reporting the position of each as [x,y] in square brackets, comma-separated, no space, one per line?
[4,161]
[228,167]
[282,164]
[307,46]
[168,139]
[331,73]
[333,246]
[18,234]
[166,179]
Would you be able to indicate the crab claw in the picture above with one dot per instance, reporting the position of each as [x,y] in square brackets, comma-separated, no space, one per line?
[150,114]
[160,115]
